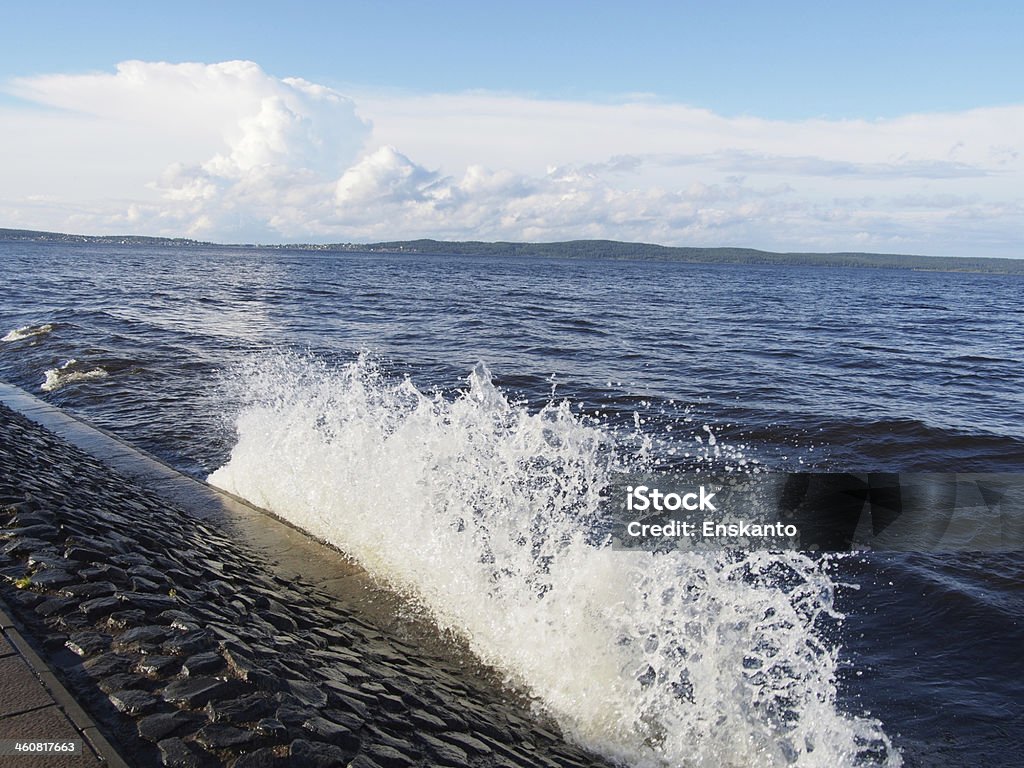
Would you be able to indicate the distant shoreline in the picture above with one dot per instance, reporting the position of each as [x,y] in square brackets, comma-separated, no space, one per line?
[612,250]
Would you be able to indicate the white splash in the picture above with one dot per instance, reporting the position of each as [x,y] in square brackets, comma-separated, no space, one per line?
[28,332]
[69,373]
[481,511]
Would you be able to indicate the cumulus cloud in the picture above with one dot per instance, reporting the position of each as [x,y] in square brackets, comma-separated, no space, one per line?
[228,151]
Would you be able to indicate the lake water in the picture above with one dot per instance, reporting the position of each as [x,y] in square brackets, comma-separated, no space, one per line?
[344,391]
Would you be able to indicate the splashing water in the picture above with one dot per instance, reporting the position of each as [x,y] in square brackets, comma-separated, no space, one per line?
[69,373]
[28,332]
[484,513]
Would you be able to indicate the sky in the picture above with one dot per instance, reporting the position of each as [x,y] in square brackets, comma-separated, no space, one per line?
[893,127]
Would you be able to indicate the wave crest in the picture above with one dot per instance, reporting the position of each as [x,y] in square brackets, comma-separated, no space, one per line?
[484,512]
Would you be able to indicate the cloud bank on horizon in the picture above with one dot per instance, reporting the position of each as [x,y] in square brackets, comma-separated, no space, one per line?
[228,152]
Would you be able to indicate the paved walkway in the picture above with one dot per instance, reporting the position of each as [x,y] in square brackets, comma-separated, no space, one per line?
[34,706]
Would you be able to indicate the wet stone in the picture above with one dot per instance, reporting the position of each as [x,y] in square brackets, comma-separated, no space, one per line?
[426,721]
[158,666]
[87,643]
[389,757]
[120,681]
[307,754]
[55,605]
[271,728]
[99,607]
[261,758]
[145,638]
[307,693]
[175,753]
[220,736]
[147,572]
[160,726]
[151,604]
[466,742]
[139,584]
[51,578]
[292,714]
[106,573]
[134,702]
[89,589]
[195,691]
[336,734]
[108,664]
[189,644]
[281,621]
[125,619]
[250,707]
[444,752]
[202,664]
[84,554]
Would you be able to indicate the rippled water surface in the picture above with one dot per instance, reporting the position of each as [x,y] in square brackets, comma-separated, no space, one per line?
[834,369]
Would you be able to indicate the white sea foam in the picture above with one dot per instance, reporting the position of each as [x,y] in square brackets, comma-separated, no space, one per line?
[69,373]
[481,511]
[28,332]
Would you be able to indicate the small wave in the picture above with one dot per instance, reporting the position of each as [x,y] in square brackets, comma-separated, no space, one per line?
[69,373]
[27,332]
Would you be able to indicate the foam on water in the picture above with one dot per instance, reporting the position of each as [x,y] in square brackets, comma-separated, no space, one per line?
[483,513]
[69,373]
[28,332]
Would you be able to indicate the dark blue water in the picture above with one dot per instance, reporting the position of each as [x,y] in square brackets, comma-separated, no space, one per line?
[831,369]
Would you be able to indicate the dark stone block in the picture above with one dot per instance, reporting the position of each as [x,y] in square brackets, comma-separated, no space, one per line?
[158,666]
[261,758]
[251,707]
[465,741]
[324,729]
[307,693]
[293,714]
[146,638]
[99,607]
[84,554]
[426,721]
[189,644]
[126,619]
[139,584]
[89,589]
[151,604]
[280,621]
[220,736]
[134,703]
[160,726]
[55,605]
[443,752]
[175,753]
[87,643]
[389,757]
[107,664]
[307,754]
[195,691]
[147,572]
[121,681]
[271,728]
[51,578]
[202,664]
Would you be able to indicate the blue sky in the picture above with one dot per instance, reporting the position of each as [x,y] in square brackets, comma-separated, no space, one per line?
[797,126]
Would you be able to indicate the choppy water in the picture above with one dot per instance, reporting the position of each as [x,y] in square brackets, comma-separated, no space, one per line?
[471,490]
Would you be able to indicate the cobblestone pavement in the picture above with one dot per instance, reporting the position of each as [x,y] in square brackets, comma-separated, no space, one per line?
[190,651]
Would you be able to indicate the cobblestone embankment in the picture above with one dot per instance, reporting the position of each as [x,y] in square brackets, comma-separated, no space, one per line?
[190,650]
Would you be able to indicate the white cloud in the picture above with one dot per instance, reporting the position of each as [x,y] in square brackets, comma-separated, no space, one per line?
[228,151]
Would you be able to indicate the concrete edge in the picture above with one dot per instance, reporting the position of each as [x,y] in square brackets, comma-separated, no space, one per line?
[80,719]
